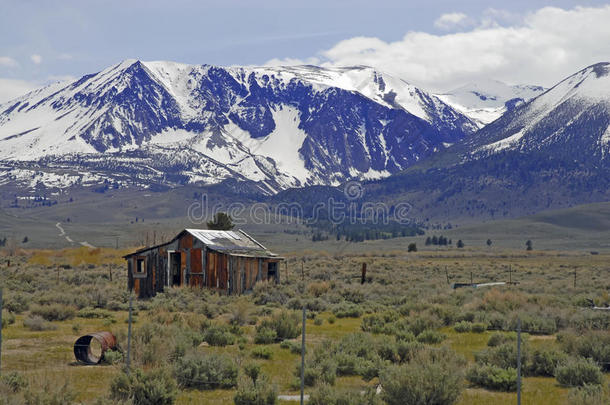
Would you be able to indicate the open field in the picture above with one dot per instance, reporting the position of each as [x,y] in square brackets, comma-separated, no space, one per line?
[125,218]
[407,298]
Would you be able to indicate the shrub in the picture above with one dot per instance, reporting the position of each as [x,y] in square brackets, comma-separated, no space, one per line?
[218,336]
[294,347]
[407,350]
[589,395]
[347,310]
[593,345]
[499,338]
[318,321]
[144,388]
[54,312]
[316,372]
[331,319]
[206,372]
[255,392]
[94,313]
[493,377]
[577,372]
[431,374]
[462,327]
[479,327]
[50,395]
[324,394]
[7,319]
[113,357]
[262,352]
[17,304]
[36,323]
[252,370]
[544,362]
[420,323]
[285,324]
[430,337]
[503,356]
[535,324]
[265,335]
[14,381]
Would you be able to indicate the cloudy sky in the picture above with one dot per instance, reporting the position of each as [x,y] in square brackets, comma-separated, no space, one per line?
[437,44]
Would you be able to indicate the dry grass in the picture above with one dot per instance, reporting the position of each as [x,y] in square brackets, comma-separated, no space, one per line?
[418,281]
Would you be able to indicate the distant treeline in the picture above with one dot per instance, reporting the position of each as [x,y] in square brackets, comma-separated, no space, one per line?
[438,240]
[365,231]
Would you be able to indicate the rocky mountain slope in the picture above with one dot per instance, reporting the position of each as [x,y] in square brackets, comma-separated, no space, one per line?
[164,123]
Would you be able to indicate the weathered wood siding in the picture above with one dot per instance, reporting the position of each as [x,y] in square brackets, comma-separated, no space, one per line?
[199,267]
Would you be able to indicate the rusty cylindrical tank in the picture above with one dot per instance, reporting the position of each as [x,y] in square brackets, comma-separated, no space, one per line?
[82,346]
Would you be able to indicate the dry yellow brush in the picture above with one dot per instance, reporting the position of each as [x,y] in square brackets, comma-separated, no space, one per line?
[404,324]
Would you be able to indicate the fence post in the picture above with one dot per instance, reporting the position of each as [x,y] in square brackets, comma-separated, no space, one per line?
[447,275]
[303,357]
[129,334]
[574,278]
[518,361]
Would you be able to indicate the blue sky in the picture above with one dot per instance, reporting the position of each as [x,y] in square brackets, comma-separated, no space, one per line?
[50,40]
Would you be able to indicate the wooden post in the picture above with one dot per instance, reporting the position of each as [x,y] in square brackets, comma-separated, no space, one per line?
[471,278]
[510,275]
[447,275]
[518,361]
[129,334]
[110,271]
[303,269]
[303,357]
[57,271]
[363,273]
[574,277]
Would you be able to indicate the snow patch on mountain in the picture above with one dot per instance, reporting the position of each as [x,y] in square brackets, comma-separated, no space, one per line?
[485,101]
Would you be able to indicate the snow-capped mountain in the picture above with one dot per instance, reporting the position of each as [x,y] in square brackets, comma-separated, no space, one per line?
[171,123]
[570,121]
[487,100]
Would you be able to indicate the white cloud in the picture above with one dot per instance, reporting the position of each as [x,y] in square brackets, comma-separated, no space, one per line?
[37,59]
[11,88]
[64,56]
[293,61]
[452,20]
[7,61]
[541,48]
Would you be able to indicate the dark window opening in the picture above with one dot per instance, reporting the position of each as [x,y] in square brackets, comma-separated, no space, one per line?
[140,265]
[174,267]
[272,270]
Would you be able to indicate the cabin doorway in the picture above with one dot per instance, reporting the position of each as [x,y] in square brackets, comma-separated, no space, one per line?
[271,270]
[175,264]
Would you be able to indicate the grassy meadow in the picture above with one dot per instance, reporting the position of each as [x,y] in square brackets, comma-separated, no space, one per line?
[193,347]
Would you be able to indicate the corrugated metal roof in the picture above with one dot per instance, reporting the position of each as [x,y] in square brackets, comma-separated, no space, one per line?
[231,242]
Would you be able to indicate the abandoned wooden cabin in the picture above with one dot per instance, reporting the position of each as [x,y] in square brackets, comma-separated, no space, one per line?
[230,262]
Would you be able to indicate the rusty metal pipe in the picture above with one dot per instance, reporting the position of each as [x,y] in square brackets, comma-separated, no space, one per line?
[82,347]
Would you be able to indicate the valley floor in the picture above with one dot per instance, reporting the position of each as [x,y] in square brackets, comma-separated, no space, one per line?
[412,288]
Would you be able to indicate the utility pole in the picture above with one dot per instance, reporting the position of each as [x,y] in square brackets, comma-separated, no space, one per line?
[303,357]
[0,330]
[129,334]
[518,361]
[363,280]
